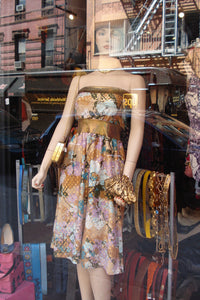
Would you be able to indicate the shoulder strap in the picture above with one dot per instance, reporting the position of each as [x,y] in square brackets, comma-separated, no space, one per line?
[3,275]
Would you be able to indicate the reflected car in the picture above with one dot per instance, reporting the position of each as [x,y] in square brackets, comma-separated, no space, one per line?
[15,143]
[164,135]
[164,150]
[45,139]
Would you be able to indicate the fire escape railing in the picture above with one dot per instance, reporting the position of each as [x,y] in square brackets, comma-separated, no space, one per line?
[144,37]
[169,27]
[139,23]
[142,25]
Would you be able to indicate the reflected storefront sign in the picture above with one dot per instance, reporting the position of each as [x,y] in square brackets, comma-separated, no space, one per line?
[47,92]
[46,102]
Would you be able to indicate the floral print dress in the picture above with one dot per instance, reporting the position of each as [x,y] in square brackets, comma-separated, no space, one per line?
[88,224]
[192,100]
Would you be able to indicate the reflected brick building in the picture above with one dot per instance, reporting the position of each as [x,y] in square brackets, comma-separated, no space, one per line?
[39,34]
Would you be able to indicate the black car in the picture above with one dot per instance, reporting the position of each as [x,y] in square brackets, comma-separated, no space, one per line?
[16,144]
[164,150]
[165,142]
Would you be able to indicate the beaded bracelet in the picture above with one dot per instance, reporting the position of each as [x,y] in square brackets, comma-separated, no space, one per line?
[159,209]
[151,185]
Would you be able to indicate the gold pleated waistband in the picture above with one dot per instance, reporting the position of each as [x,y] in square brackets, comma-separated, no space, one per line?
[99,127]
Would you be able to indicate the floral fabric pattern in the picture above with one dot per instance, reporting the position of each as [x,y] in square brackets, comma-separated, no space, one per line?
[192,100]
[88,224]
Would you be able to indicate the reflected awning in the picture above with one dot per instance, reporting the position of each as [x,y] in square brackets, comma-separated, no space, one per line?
[160,76]
[48,83]
[18,88]
[5,83]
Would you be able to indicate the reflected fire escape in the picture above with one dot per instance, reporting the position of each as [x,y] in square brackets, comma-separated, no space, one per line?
[153,30]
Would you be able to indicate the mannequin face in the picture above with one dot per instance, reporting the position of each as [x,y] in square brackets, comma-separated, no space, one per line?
[108,40]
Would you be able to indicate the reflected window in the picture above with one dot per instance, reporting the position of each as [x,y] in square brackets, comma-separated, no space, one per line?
[20,8]
[47,47]
[21,49]
[46,4]
[20,52]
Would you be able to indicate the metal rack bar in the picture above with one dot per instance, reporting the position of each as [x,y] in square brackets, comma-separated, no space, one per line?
[171,218]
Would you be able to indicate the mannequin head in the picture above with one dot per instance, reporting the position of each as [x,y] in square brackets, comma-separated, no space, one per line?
[107,40]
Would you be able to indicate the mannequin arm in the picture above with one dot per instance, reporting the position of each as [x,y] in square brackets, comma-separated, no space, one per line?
[60,134]
[137,129]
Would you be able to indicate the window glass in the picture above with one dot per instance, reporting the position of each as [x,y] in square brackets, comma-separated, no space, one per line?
[47,52]
[22,49]
[46,3]
[20,8]
[49,48]
[114,85]
[22,2]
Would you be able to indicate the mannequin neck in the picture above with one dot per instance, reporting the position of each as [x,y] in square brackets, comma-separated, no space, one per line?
[190,72]
[192,62]
[105,63]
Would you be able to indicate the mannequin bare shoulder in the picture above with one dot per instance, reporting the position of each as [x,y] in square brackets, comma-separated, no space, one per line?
[72,93]
[116,78]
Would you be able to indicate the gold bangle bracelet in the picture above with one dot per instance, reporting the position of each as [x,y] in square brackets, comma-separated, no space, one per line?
[136,205]
[145,200]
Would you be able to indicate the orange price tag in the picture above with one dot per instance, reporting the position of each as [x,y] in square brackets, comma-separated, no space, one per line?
[130,100]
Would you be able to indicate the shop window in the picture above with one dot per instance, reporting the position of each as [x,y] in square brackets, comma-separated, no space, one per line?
[47,7]
[47,47]
[20,9]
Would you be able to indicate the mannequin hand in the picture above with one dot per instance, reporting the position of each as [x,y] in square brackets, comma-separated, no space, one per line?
[38,180]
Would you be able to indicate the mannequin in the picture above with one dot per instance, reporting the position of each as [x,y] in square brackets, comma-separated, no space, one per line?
[95,280]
